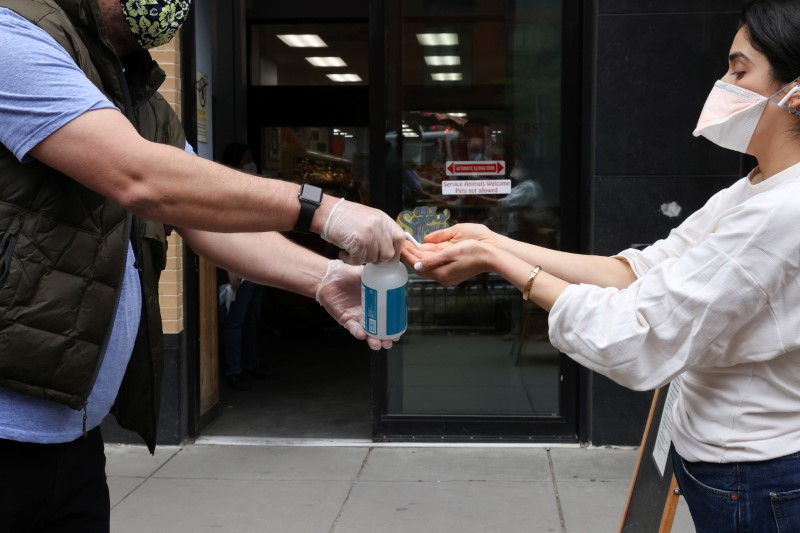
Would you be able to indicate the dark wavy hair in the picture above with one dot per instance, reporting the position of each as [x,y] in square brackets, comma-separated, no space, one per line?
[773,27]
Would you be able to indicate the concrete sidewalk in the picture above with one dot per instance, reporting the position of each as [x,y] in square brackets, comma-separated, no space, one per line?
[360,487]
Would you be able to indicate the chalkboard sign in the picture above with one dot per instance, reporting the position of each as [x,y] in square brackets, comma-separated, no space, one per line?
[653,496]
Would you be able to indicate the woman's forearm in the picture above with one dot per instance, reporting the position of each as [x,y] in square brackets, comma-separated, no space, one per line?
[573,268]
[546,286]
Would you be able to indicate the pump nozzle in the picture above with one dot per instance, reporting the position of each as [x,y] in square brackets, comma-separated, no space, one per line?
[410,238]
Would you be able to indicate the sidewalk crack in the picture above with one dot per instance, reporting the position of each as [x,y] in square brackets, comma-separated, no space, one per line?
[555,492]
[350,491]
[146,479]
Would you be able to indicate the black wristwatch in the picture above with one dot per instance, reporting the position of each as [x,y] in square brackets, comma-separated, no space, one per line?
[310,199]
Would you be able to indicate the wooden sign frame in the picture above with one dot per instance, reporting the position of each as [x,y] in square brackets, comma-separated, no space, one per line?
[653,496]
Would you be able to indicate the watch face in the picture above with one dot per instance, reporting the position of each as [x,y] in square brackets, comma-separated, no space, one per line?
[310,193]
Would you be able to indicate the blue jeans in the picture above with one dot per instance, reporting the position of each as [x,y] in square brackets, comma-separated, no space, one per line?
[240,329]
[752,497]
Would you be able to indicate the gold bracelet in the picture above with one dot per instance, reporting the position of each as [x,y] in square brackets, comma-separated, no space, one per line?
[534,273]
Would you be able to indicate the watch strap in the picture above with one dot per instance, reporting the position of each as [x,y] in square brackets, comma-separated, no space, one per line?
[307,209]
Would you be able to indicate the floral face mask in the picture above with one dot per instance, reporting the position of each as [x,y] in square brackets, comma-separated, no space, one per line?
[154,22]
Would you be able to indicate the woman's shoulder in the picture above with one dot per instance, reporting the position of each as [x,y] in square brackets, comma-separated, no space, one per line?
[766,220]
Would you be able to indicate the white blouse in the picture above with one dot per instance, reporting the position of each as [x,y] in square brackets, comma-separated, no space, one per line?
[716,307]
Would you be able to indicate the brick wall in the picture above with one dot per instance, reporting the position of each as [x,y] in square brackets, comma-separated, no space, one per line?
[171,286]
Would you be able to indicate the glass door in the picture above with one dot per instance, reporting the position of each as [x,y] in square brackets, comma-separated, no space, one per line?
[475,115]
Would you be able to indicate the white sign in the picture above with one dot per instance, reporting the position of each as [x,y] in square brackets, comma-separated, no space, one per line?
[472,168]
[462,187]
[664,435]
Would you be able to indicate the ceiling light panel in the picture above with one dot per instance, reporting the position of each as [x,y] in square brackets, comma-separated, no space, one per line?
[344,77]
[437,39]
[442,61]
[446,76]
[326,61]
[303,41]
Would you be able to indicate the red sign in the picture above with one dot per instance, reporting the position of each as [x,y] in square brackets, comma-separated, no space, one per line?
[473,168]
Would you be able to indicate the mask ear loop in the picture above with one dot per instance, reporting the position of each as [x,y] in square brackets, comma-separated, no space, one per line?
[782,103]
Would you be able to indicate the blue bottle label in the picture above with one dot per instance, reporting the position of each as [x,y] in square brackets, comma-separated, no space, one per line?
[385,312]
[396,310]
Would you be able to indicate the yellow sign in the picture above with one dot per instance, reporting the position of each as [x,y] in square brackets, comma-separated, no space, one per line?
[423,220]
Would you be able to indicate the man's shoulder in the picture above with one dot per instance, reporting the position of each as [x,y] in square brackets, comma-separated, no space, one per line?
[32,10]
[46,15]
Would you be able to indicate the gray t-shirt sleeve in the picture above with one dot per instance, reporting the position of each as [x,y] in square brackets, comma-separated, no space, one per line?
[41,87]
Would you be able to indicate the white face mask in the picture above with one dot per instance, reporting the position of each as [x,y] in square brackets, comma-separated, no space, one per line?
[250,168]
[731,114]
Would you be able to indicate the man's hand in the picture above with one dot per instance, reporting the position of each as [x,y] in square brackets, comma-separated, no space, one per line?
[339,293]
[364,234]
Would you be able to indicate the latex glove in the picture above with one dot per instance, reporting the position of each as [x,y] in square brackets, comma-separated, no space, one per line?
[364,234]
[339,293]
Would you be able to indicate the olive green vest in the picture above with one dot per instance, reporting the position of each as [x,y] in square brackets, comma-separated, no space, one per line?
[63,246]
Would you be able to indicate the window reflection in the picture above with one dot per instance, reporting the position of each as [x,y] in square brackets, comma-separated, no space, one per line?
[475,166]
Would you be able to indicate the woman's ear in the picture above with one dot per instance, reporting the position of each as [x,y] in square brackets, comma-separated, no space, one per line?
[792,99]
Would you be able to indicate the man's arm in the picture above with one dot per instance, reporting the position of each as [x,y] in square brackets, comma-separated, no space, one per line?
[266,258]
[271,259]
[101,150]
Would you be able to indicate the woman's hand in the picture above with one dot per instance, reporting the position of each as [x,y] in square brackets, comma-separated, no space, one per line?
[454,254]
[450,262]
[463,232]
[442,239]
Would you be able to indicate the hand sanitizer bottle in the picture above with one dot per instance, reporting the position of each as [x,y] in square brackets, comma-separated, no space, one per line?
[384,299]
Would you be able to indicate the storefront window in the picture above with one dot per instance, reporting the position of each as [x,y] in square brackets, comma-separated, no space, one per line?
[477,139]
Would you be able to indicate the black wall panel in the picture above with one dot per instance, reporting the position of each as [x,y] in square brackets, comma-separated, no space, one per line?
[626,7]
[654,73]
